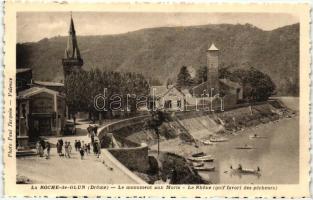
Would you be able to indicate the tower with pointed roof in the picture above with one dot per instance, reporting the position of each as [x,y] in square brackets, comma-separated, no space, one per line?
[72,61]
[213,63]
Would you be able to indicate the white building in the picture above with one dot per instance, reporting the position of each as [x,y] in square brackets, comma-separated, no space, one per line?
[167,98]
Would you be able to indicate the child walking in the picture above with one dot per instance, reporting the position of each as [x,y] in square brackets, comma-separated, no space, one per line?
[67,150]
[82,153]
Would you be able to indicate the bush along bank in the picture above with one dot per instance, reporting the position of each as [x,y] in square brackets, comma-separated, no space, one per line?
[170,168]
[253,115]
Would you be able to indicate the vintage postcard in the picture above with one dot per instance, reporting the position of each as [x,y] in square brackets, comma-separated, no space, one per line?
[152,100]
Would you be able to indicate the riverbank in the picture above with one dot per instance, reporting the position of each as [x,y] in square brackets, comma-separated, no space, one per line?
[277,143]
[186,149]
[195,126]
[183,133]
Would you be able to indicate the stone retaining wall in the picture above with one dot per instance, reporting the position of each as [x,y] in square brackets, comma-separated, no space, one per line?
[133,158]
[122,123]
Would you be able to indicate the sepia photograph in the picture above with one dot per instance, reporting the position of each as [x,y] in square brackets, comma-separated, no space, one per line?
[157,98]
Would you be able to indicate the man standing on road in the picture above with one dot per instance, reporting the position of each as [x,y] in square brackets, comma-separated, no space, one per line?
[89,130]
[92,137]
[75,145]
[97,147]
[60,146]
[95,129]
[79,145]
[67,150]
[69,147]
[42,147]
[88,148]
[48,149]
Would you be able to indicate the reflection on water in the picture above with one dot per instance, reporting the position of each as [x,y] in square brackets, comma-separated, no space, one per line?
[276,153]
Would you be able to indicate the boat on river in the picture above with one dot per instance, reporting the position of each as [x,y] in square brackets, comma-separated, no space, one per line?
[200,154]
[205,168]
[256,136]
[244,147]
[218,139]
[207,158]
[242,170]
[195,164]
[207,142]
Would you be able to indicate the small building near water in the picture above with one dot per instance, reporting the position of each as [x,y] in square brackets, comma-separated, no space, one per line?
[167,98]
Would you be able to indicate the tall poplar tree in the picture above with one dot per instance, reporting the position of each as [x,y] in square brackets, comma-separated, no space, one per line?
[184,78]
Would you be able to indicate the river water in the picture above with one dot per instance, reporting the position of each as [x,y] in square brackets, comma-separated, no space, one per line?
[277,155]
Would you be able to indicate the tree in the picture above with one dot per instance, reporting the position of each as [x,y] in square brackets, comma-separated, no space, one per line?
[257,85]
[157,120]
[75,90]
[201,74]
[184,78]
[224,73]
[82,88]
[154,82]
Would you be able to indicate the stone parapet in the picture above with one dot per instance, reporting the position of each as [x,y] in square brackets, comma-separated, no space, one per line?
[135,158]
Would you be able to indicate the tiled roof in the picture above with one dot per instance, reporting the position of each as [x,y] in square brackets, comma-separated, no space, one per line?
[203,83]
[159,91]
[230,83]
[227,82]
[213,48]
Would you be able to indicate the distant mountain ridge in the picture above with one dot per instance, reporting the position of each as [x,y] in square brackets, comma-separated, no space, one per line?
[160,52]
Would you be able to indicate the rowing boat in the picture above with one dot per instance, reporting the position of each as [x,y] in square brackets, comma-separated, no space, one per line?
[255,136]
[244,147]
[207,158]
[207,142]
[200,154]
[205,168]
[249,171]
[218,139]
[198,164]
[242,170]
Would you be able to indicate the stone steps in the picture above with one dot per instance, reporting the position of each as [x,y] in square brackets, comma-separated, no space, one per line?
[28,152]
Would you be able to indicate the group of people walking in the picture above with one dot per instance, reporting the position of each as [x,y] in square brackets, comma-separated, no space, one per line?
[41,147]
[80,146]
[67,148]
[92,133]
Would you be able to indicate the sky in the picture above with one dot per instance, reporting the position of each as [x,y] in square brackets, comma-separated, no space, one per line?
[34,26]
